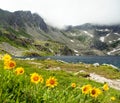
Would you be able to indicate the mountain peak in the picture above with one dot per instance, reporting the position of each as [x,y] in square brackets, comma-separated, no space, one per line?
[21,18]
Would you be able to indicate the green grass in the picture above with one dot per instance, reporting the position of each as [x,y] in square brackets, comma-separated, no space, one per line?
[100,70]
[20,32]
[20,39]
[19,89]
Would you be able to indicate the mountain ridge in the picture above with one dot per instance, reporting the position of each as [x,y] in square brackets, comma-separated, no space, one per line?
[29,29]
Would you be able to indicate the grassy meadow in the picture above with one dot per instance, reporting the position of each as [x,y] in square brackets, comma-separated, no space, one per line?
[38,81]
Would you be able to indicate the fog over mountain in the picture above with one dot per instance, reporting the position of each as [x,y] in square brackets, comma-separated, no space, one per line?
[69,12]
[25,33]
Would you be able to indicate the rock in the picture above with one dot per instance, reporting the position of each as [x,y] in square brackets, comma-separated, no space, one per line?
[113,66]
[66,51]
[87,66]
[82,73]
[96,64]
[48,59]
[61,61]
[112,83]
[110,65]
[56,68]
[27,59]
[32,58]
[11,49]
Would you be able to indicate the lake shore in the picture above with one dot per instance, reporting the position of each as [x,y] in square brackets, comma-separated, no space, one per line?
[85,71]
[114,60]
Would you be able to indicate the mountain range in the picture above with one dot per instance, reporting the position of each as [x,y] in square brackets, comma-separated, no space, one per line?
[23,33]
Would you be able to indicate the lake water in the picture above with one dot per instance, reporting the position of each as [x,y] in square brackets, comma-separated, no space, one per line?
[114,60]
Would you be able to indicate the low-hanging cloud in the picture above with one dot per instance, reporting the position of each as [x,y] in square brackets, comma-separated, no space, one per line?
[69,12]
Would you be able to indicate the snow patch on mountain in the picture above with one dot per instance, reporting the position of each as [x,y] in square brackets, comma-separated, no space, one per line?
[118,39]
[114,50]
[110,41]
[102,39]
[99,29]
[107,35]
[72,41]
[107,29]
[88,34]
[116,33]
[75,51]
[103,30]
[73,34]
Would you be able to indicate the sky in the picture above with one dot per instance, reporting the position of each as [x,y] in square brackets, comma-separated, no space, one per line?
[60,13]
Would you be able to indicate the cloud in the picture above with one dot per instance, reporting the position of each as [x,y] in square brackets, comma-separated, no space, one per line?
[69,12]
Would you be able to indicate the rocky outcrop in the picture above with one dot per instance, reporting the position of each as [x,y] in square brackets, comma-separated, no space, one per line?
[19,19]
[6,47]
[66,51]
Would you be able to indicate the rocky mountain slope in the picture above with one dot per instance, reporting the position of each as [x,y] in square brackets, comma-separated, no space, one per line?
[24,33]
[104,38]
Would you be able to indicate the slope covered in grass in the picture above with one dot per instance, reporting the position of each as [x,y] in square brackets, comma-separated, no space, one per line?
[19,88]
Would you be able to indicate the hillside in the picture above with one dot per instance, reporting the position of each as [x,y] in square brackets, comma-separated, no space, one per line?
[26,34]
[23,33]
[51,81]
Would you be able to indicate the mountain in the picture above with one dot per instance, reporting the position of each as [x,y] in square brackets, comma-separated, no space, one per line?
[105,38]
[23,33]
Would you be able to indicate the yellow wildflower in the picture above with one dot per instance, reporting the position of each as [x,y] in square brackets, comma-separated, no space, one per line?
[36,78]
[41,79]
[73,85]
[51,82]
[105,87]
[112,98]
[7,57]
[95,92]
[86,89]
[19,70]
[9,64]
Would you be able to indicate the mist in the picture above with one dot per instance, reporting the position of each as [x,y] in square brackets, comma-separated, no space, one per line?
[60,13]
